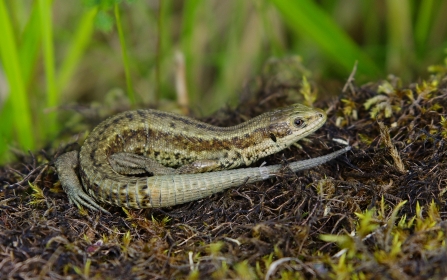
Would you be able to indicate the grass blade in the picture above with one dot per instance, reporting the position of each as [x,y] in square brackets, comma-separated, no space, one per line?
[46,28]
[188,46]
[307,19]
[400,41]
[30,43]
[77,47]
[126,61]
[19,102]
[423,23]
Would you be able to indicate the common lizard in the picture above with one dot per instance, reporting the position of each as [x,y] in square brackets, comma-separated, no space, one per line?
[187,159]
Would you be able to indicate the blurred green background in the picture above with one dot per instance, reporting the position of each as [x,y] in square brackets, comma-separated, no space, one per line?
[196,53]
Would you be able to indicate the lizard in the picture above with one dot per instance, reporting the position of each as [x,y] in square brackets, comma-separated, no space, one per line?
[148,158]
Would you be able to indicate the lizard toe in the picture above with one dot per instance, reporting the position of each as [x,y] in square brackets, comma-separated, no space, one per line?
[82,199]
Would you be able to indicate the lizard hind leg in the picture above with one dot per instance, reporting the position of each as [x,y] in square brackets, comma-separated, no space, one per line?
[66,166]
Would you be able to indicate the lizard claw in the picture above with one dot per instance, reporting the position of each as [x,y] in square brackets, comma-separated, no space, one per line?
[81,199]
[66,165]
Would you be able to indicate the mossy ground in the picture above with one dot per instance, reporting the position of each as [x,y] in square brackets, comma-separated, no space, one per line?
[378,212]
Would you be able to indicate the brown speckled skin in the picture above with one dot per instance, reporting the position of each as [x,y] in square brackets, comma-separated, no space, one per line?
[175,141]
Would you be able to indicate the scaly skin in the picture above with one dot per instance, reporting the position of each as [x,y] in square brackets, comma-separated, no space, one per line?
[176,150]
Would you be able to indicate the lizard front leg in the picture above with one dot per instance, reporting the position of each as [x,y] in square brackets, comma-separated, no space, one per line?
[66,166]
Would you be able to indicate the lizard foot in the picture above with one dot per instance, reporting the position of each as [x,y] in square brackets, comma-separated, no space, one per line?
[66,165]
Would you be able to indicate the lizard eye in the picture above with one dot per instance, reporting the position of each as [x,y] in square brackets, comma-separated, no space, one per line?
[298,122]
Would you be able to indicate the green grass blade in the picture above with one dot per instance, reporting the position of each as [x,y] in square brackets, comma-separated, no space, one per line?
[77,45]
[164,50]
[307,19]
[126,61]
[6,129]
[46,28]
[372,31]
[400,41]
[30,44]
[276,49]
[228,59]
[28,50]
[189,22]
[423,22]
[19,102]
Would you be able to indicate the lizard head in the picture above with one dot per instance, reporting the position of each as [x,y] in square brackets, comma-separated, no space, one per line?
[290,124]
